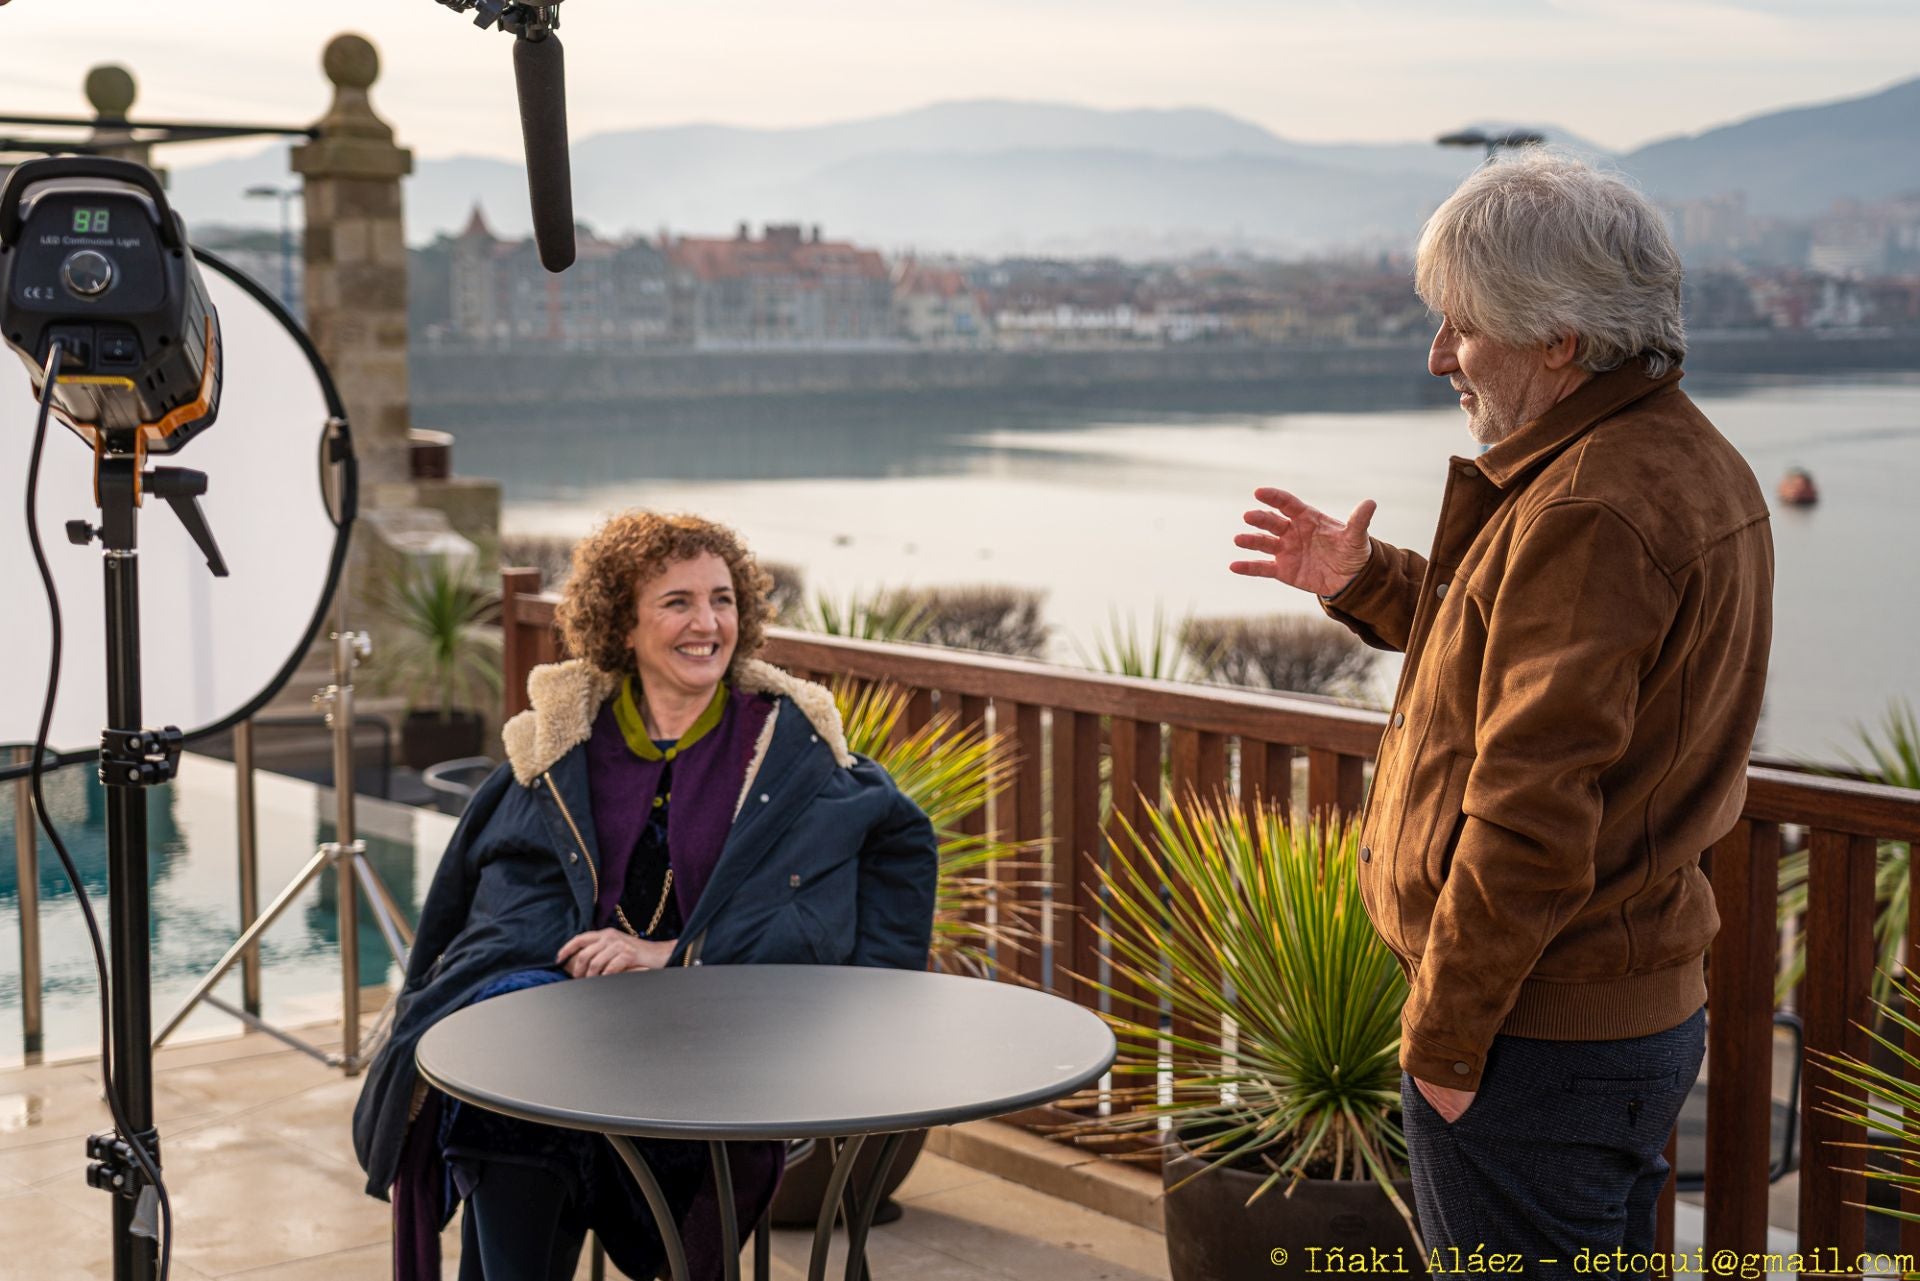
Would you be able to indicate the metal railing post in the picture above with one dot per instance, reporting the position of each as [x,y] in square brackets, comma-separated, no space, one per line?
[340,717]
[248,825]
[27,861]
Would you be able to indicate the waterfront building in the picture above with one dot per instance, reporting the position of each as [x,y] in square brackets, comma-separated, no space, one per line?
[938,306]
[615,294]
[785,288]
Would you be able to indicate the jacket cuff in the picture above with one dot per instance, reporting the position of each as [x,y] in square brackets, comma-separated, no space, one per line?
[1438,1064]
[1365,592]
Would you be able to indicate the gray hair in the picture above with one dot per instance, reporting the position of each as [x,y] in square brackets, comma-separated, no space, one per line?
[1537,245]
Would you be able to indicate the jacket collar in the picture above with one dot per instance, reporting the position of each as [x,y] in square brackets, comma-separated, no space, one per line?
[1600,397]
[565,697]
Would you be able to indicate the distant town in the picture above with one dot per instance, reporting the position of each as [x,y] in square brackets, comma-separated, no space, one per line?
[793,286]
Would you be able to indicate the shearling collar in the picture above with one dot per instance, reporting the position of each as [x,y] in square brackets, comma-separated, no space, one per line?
[565,698]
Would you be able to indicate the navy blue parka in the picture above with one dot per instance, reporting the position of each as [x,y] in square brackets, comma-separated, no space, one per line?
[826,863]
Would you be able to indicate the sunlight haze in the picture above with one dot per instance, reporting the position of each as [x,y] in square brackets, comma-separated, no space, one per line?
[1619,74]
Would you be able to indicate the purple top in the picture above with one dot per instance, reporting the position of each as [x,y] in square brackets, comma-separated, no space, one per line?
[707,778]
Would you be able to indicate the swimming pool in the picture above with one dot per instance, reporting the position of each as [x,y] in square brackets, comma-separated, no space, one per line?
[193,878]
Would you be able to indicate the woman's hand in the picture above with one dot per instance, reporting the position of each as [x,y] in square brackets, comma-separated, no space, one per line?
[612,952]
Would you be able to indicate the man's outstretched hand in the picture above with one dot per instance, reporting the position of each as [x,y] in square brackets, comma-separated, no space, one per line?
[1305,547]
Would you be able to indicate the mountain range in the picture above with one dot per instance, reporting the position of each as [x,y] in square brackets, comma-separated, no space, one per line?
[998,177]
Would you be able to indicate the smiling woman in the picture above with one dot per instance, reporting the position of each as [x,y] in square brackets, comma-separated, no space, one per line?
[668,799]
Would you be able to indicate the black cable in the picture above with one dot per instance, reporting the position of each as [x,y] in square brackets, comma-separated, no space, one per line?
[144,1159]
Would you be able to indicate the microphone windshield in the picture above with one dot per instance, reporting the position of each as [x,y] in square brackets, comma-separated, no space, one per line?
[539,73]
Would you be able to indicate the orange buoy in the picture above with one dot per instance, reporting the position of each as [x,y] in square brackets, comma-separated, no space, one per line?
[1797,489]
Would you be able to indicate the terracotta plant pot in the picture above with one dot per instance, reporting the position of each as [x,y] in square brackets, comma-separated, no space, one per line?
[797,1202]
[1214,1235]
[426,739]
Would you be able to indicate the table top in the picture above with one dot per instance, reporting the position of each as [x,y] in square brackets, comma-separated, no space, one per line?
[765,1051]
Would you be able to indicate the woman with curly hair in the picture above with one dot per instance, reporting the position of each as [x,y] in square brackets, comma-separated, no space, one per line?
[668,799]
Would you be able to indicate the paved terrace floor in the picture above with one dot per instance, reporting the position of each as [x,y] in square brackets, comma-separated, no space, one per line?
[265,1187]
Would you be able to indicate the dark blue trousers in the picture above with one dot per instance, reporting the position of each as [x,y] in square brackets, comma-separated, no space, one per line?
[1562,1150]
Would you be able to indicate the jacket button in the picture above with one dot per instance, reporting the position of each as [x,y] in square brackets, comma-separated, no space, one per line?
[1366,854]
[813,738]
[764,798]
[793,882]
[573,856]
[1461,1069]
[1441,591]
[1399,719]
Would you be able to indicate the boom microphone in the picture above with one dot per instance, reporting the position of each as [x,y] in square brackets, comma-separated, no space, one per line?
[539,73]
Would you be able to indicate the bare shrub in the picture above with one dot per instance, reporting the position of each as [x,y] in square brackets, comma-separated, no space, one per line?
[551,554]
[990,617]
[1287,652]
[787,597]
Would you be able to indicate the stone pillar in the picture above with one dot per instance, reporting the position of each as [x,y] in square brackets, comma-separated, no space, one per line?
[356,259]
[111,90]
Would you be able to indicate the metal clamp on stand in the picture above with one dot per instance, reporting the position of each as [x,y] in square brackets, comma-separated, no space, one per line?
[112,1165]
[347,855]
[139,757]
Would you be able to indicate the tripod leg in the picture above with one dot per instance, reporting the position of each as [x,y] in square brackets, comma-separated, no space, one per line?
[314,866]
[386,913]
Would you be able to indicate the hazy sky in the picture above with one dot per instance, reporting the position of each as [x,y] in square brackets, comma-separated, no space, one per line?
[1619,72]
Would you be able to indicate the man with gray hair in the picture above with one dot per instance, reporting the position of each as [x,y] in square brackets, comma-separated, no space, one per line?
[1586,651]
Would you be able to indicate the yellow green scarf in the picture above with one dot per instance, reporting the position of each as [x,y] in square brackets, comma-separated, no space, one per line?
[633,726]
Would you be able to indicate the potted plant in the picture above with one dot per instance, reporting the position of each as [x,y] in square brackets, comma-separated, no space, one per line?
[442,654]
[948,770]
[1275,1083]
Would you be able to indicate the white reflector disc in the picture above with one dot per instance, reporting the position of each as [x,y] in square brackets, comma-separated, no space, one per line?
[211,648]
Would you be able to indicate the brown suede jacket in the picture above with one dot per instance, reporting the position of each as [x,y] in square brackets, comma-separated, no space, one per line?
[1586,654]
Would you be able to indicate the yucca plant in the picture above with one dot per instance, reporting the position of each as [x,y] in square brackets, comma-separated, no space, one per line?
[1891,757]
[1890,1117]
[949,770]
[876,616]
[1282,1055]
[440,652]
[1123,648]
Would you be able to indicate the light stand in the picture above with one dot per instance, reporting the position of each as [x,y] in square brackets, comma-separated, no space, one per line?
[347,855]
[131,760]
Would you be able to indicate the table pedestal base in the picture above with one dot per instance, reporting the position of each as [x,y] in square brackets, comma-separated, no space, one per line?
[860,1208]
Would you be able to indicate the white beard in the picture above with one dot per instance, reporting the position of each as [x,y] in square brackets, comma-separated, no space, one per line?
[1486,431]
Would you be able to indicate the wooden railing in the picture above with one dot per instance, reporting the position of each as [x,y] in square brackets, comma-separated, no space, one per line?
[1156,737]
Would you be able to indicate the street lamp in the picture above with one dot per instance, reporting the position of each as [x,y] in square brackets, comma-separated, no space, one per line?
[1491,141]
[285,195]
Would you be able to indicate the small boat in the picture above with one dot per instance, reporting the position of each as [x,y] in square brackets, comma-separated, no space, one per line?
[1796,488]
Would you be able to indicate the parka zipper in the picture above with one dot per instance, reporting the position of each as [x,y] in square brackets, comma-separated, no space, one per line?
[592,872]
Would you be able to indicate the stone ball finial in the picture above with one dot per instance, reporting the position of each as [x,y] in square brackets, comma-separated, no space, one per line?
[351,62]
[111,90]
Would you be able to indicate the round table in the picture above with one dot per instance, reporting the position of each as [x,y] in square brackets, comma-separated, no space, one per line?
[718,1053]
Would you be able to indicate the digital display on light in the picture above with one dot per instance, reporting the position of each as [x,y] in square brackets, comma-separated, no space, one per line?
[90,222]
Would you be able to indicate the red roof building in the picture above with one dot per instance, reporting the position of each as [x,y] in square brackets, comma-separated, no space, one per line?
[786,288]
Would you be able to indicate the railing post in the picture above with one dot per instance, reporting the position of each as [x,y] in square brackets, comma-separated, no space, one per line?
[1022,816]
[1833,1184]
[1335,783]
[516,657]
[247,829]
[1136,798]
[1740,973]
[1266,778]
[1076,840]
[27,862]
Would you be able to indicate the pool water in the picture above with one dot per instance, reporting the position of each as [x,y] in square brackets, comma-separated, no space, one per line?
[193,881]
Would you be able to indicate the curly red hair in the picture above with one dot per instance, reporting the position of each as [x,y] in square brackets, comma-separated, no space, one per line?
[610,566]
